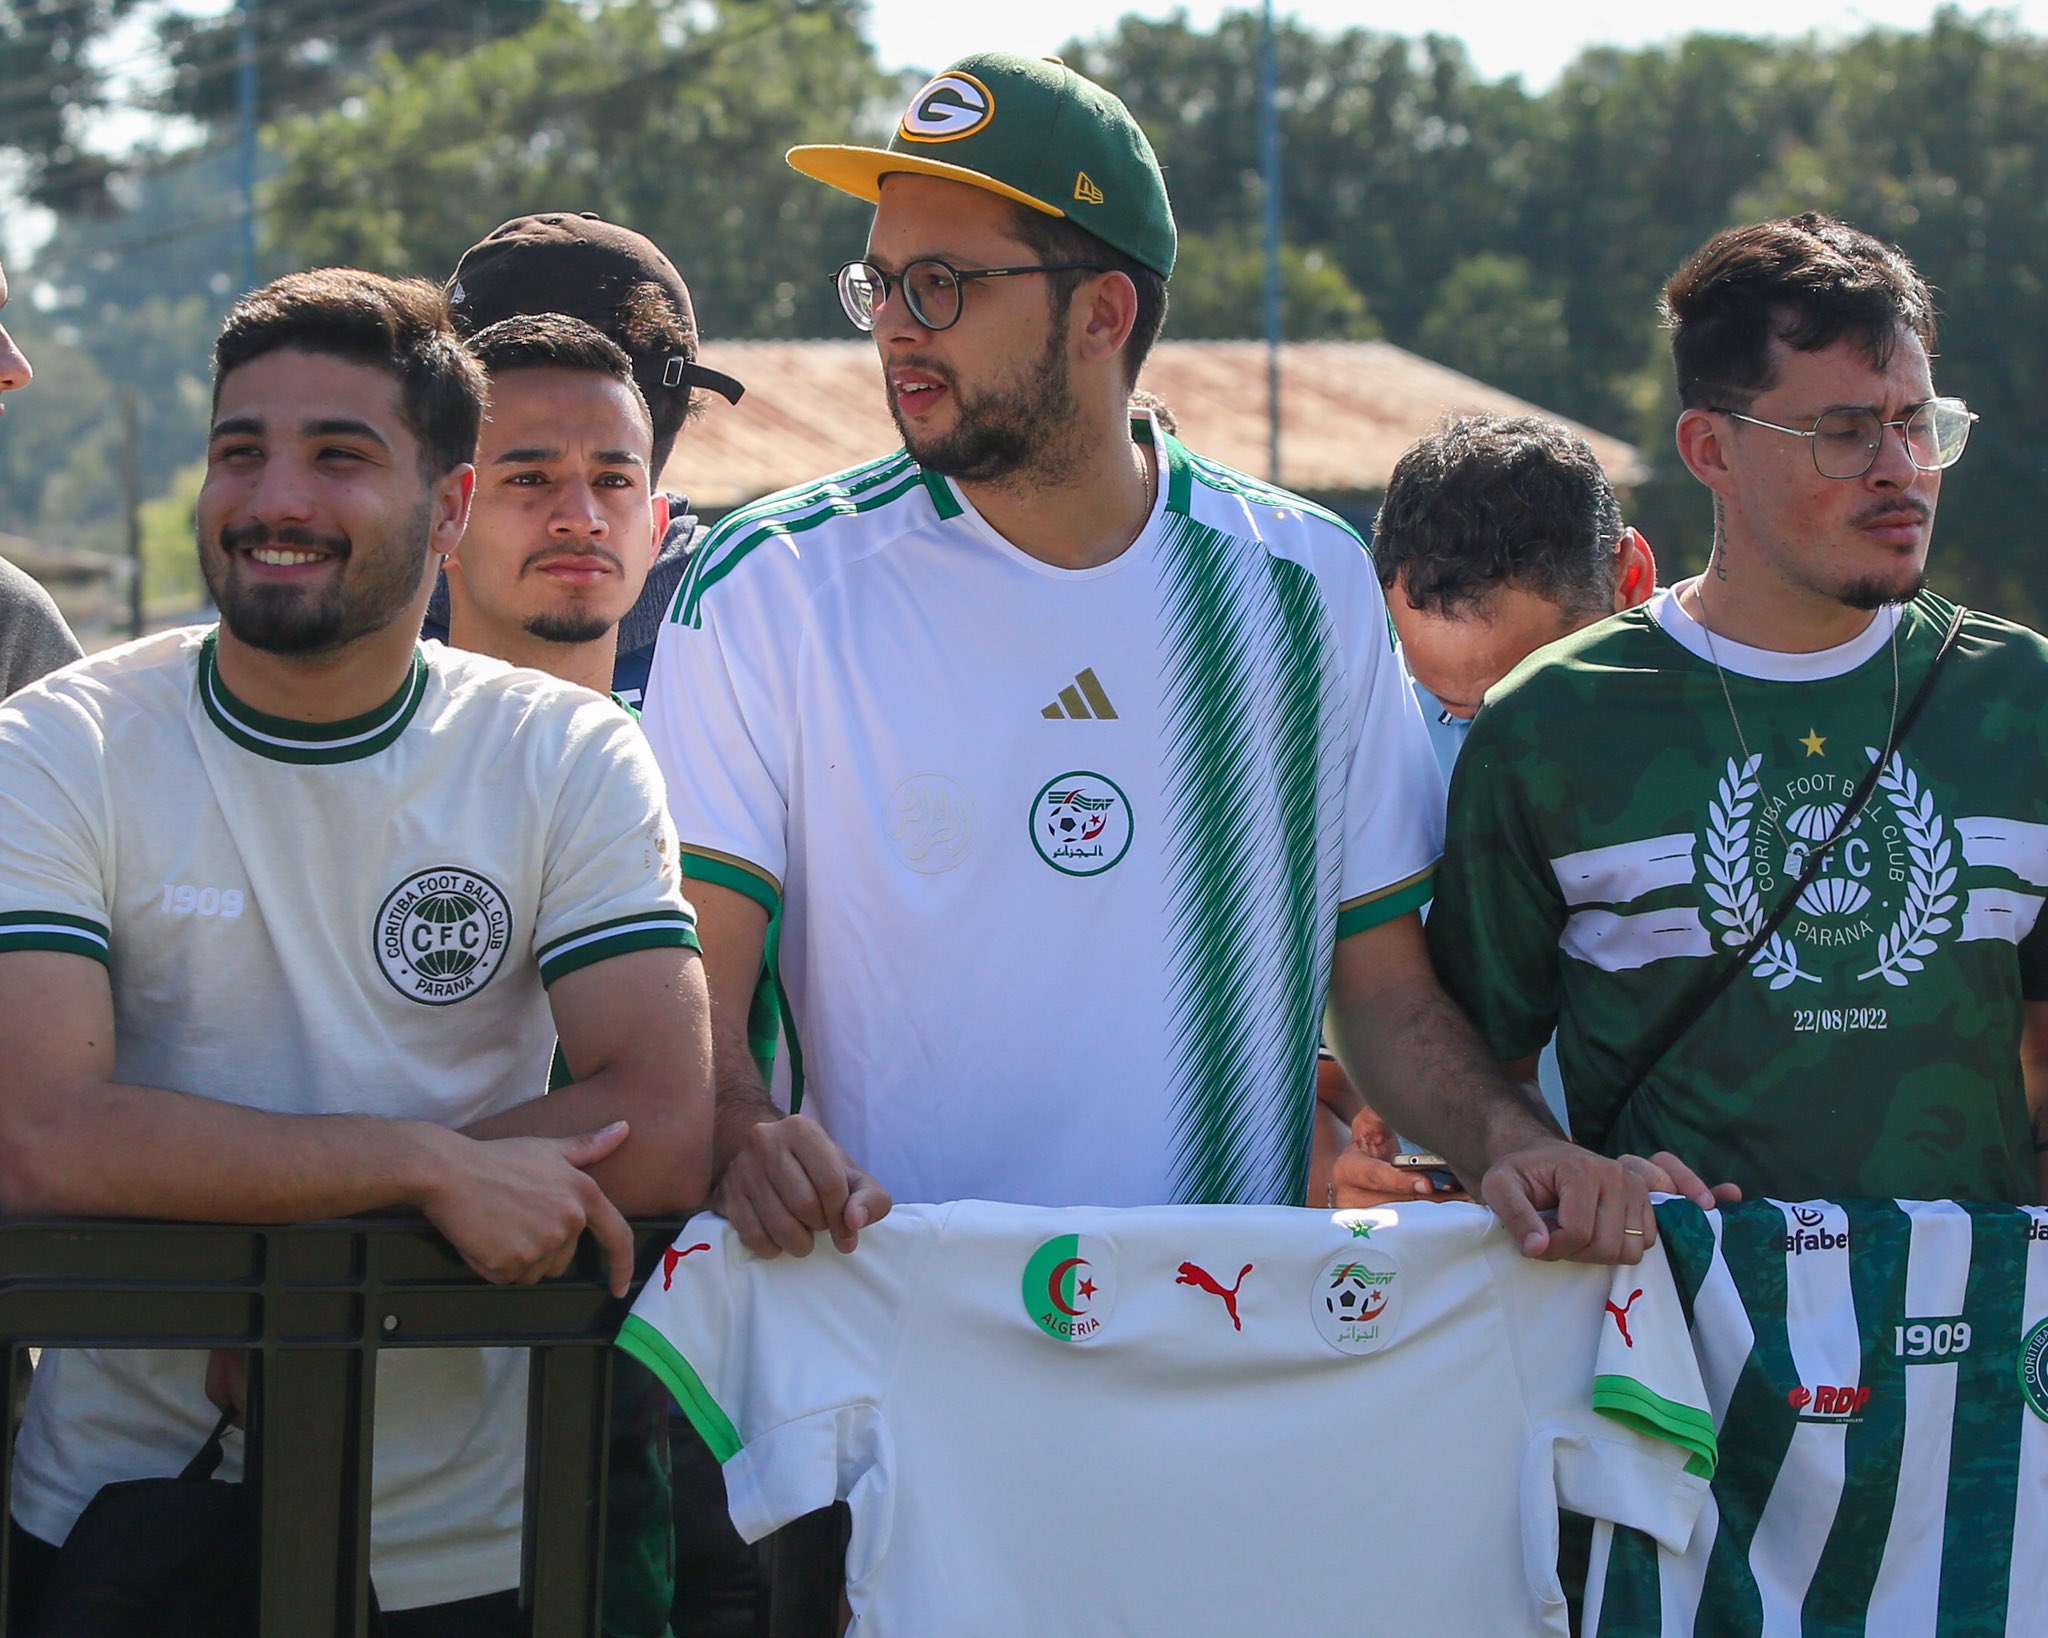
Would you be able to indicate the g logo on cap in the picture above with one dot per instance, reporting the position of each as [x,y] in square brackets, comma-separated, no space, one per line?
[949,108]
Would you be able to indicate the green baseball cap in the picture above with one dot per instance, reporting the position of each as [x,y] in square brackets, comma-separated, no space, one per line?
[1032,130]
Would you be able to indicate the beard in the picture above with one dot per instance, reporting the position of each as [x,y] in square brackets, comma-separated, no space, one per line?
[293,620]
[1003,431]
[568,626]
[1876,592]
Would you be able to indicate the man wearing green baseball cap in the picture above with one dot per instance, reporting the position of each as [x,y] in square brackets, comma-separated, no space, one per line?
[1080,768]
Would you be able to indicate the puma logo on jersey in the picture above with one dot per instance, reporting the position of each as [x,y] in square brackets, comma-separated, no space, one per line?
[671,1257]
[1621,1316]
[1082,699]
[1196,1275]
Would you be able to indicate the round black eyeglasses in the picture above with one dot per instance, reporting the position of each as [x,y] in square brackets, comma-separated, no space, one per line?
[930,288]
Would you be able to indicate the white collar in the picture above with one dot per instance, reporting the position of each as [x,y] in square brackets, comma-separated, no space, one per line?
[1768,664]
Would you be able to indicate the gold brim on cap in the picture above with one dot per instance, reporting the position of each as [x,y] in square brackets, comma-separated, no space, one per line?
[859,171]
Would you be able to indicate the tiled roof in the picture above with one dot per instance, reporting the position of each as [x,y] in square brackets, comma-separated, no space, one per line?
[1348,410]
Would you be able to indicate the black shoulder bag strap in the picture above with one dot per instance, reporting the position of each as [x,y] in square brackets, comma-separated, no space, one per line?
[1672,1028]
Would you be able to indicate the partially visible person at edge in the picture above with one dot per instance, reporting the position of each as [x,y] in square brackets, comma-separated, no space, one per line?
[621,285]
[1497,535]
[562,529]
[191,823]
[34,640]
[618,281]
[993,720]
[1632,803]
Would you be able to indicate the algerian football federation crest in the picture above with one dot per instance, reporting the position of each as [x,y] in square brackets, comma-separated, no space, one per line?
[1070,1287]
[1887,889]
[1356,1300]
[1081,824]
[441,934]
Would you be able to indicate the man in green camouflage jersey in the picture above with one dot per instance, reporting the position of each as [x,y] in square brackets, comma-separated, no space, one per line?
[1633,803]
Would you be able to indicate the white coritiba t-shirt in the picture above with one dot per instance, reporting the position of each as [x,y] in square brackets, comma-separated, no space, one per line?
[350,917]
[1186,1420]
[1062,855]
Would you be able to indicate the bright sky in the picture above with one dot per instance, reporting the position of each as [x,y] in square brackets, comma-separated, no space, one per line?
[1503,36]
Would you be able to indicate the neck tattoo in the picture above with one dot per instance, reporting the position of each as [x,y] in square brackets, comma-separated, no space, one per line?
[1699,591]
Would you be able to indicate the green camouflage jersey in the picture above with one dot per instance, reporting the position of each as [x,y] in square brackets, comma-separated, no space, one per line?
[1611,832]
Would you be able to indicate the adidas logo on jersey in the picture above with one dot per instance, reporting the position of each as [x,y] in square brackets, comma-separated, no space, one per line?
[2037,1228]
[1081,700]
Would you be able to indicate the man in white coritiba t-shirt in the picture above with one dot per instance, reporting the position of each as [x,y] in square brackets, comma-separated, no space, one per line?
[1080,768]
[291,913]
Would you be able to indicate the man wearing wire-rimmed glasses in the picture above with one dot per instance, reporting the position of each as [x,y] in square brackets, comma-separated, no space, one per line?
[1080,768]
[1763,780]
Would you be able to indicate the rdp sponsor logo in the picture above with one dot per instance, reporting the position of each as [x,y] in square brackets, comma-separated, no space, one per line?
[1828,1404]
[1809,1233]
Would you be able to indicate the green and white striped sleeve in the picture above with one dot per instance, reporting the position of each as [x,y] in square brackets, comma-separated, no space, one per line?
[613,883]
[53,850]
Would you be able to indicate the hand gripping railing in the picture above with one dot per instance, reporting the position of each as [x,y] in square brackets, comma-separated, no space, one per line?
[315,1303]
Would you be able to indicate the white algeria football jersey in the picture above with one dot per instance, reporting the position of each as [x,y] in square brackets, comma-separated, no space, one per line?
[1061,855]
[1185,1420]
[1878,1372]
[349,917]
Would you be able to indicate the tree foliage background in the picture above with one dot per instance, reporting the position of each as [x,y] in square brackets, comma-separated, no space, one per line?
[1519,235]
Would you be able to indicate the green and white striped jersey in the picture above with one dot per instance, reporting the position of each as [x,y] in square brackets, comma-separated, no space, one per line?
[1062,855]
[1878,1374]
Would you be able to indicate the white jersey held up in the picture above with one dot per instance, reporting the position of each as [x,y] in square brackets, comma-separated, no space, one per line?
[353,917]
[1179,1420]
[1061,855]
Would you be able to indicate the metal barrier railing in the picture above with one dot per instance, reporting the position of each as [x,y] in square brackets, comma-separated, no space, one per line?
[316,1303]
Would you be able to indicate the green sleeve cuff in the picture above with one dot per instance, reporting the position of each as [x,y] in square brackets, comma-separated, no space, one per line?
[1376,909]
[51,930]
[1686,1426]
[655,930]
[728,870]
[659,1355]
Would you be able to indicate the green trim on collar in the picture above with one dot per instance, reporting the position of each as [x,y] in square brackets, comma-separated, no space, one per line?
[944,500]
[283,740]
[1174,456]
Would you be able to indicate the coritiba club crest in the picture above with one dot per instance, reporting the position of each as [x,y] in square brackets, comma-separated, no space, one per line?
[1886,893]
[441,934]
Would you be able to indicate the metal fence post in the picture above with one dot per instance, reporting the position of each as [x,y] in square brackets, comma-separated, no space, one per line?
[310,1451]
